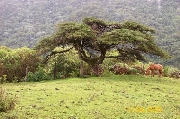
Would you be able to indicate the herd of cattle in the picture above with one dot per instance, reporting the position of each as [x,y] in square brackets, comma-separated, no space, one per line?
[153,69]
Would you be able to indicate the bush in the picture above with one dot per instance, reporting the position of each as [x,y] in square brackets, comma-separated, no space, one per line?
[107,73]
[168,70]
[6,103]
[3,79]
[38,76]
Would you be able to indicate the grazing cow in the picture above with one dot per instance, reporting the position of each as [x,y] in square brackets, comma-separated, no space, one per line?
[153,68]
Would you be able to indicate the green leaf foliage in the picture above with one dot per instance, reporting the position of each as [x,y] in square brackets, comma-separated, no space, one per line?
[72,32]
[123,36]
[137,27]
[90,21]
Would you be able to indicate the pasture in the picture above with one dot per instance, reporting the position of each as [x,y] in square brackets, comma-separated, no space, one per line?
[113,97]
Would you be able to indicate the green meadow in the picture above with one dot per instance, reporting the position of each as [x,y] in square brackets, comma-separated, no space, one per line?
[113,97]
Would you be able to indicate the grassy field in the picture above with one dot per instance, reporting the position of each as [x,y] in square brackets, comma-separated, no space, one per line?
[115,97]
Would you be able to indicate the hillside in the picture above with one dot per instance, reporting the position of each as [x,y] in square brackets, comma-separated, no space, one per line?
[24,22]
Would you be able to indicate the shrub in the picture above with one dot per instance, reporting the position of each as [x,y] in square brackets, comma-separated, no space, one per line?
[38,76]
[168,70]
[6,103]
[3,79]
[107,73]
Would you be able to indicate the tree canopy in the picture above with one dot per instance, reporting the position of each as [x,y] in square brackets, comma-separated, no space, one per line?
[93,38]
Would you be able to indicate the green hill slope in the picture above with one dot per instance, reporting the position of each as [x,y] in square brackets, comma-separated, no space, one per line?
[113,97]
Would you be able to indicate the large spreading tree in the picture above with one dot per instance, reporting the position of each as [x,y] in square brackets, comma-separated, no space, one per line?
[93,38]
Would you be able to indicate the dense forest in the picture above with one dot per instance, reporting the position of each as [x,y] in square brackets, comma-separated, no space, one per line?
[24,22]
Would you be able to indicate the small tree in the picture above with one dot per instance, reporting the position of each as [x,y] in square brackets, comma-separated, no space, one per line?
[93,38]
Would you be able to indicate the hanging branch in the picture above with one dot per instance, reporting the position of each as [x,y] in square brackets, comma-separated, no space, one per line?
[54,53]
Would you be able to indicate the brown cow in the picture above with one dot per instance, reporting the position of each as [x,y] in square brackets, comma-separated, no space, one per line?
[153,68]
